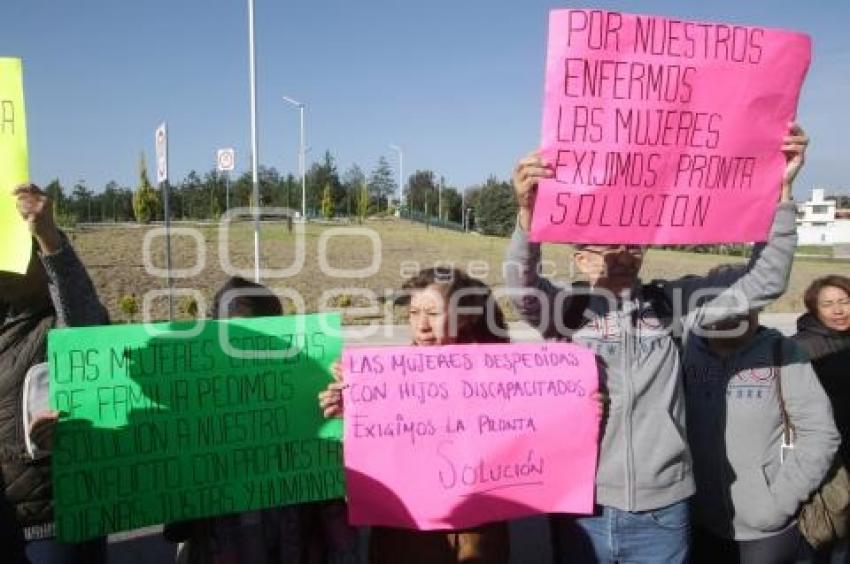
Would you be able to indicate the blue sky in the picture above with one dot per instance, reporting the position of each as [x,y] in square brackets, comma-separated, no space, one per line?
[458,84]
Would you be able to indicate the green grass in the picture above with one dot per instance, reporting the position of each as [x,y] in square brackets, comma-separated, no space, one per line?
[114,259]
[819,250]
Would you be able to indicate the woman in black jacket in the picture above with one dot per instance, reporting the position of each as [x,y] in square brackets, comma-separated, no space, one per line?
[824,332]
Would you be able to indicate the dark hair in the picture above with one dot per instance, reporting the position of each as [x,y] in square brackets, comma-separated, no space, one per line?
[474,294]
[810,298]
[241,298]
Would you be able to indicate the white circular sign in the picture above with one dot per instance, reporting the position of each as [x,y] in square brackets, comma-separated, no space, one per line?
[226,160]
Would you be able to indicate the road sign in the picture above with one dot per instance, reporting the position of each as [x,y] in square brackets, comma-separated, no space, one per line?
[226,159]
[161,153]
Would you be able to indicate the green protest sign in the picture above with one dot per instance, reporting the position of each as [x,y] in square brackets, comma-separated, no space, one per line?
[159,425]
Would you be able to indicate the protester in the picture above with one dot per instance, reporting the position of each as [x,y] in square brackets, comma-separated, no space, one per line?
[56,291]
[746,387]
[644,475]
[824,332]
[439,299]
[310,533]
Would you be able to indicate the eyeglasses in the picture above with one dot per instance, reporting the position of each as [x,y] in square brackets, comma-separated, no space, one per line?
[606,250]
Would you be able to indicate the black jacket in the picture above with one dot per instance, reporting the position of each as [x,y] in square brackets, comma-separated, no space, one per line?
[829,351]
[23,342]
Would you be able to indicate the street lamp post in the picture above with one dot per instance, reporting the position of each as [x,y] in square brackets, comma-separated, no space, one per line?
[398,150]
[440,199]
[254,143]
[464,211]
[301,156]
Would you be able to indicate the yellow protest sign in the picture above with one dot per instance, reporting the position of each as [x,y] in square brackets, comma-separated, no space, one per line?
[15,239]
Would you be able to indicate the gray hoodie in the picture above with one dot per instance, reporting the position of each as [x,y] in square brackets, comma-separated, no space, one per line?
[644,461]
[735,432]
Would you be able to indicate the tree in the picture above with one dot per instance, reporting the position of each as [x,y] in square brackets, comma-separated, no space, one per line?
[327,203]
[270,183]
[54,190]
[422,192]
[318,177]
[146,204]
[291,193]
[381,183]
[61,205]
[81,199]
[216,183]
[352,181]
[471,198]
[269,186]
[109,199]
[496,208]
[190,198]
[452,205]
[363,202]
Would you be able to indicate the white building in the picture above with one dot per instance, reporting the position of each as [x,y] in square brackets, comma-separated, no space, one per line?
[817,223]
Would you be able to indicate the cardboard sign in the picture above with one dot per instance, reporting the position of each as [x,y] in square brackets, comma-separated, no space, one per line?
[164,428]
[662,130]
[16,247]
[452,437]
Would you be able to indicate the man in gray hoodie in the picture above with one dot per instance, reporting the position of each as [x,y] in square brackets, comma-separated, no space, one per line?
[644,474]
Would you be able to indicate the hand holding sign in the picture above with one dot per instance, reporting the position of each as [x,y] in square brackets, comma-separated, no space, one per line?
[330,399]
[43,429]
[794,146]
[531,169]
[454,436]
[658,129]
[527,172]
[157,426]
[36,207]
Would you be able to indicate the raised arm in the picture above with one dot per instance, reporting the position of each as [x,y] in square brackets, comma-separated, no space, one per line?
[713,298]
[71,290]
[534,296]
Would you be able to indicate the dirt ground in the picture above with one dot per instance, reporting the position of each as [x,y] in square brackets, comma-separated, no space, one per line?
[115,259]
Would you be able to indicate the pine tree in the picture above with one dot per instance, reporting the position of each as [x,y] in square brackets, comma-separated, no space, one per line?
[381,182]
[328,202]
[146,202]
[363,202]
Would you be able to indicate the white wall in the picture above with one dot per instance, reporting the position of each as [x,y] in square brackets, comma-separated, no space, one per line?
[837,231]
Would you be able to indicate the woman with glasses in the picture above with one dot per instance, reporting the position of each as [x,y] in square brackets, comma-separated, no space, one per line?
[644,474]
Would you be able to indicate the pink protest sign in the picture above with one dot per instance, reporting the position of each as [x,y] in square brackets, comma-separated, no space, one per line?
[662,130]
[452,437]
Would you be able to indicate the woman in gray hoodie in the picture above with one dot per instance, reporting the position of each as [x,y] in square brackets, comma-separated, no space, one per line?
[750,488]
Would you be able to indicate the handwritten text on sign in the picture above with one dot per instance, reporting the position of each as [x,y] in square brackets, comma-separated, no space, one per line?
[661,130]
[14,168]
[165,428]
[455,436]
